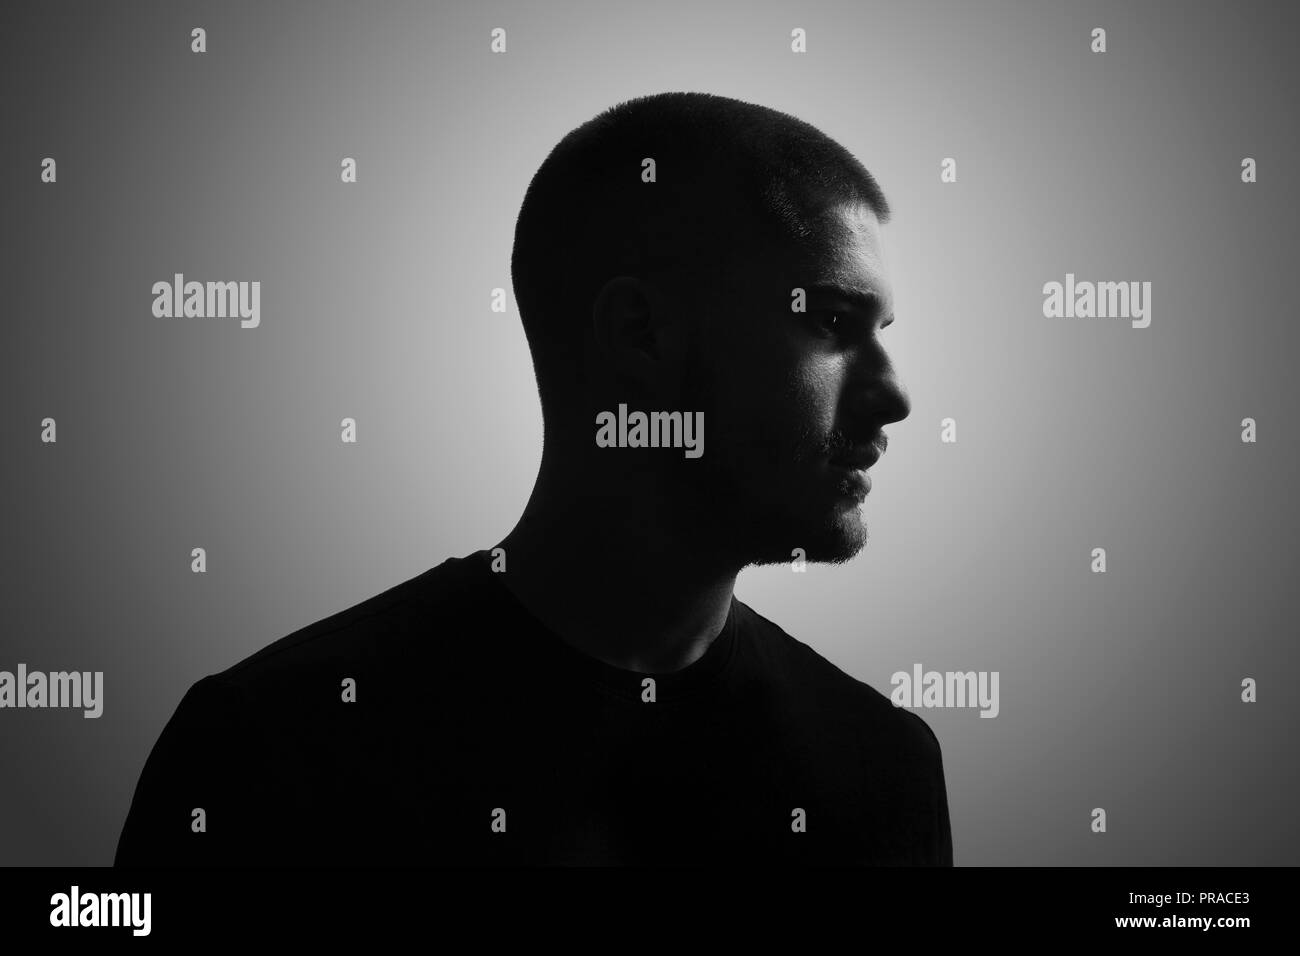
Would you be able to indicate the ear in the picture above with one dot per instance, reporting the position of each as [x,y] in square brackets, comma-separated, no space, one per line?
[627,328]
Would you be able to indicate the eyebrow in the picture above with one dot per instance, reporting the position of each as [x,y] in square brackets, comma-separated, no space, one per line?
[868,300]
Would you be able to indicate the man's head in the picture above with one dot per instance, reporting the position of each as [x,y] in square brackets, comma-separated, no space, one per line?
[677,294]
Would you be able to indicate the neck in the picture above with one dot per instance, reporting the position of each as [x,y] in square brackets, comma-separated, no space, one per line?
[606,564]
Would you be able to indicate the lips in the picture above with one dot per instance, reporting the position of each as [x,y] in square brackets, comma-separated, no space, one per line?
[859,460]
[854,482]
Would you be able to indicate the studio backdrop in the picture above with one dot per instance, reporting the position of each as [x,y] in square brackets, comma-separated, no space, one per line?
[1091,507]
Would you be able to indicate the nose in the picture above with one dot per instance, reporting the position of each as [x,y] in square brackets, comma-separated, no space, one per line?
[876,393]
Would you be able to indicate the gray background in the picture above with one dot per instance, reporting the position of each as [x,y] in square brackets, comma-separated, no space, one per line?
[1117,690]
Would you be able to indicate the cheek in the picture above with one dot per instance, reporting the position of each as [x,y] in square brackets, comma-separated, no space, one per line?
[772,399]
[765,433]
[809,392]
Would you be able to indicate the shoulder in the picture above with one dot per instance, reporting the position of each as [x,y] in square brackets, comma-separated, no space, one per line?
[239,738]
[898,771]
[808,674]
[380,635]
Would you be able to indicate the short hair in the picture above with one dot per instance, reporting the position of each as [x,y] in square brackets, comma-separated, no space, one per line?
[588,216]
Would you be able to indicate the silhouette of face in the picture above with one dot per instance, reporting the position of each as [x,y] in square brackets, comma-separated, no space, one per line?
[786,393]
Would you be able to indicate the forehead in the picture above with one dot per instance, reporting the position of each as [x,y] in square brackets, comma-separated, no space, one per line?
[845,247]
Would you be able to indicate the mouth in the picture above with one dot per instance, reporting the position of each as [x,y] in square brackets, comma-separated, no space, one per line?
[851,469]
[854,481]
[859,460]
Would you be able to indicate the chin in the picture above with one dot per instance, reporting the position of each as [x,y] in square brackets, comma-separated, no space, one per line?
[835,539]
[838,549]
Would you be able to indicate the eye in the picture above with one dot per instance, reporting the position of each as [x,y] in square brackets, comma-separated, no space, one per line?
[829,323]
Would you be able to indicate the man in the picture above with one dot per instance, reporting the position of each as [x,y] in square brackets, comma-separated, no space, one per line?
[589,690]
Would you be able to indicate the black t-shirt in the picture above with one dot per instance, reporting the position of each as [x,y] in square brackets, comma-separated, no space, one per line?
[473,735]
